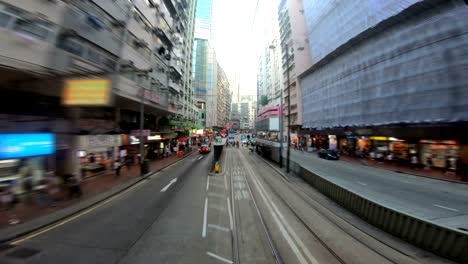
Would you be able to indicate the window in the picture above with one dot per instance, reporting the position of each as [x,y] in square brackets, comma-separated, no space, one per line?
[72,46]
[94,56]
[39,29]
[4,19]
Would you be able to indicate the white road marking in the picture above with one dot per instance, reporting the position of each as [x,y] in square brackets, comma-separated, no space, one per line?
[281,222]
[204,218]
[201,157]
[230,212]
[218,257]
[219,227]
[216,195]
[16,242]
[363,184]
[447,208]
[169,185]
[217,207]
[225,182]
[207,182]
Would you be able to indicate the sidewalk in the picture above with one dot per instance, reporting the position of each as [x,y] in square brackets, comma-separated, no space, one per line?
[90,187]
[400,168]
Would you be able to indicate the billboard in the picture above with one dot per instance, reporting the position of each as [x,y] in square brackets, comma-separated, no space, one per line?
[86,92]
[26,145]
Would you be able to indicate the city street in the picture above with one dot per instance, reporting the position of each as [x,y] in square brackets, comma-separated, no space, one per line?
[246,214]
[439,201]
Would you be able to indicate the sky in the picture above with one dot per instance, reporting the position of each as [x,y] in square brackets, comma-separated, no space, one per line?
[235,43]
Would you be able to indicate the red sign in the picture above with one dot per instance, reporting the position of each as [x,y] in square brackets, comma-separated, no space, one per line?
[152,96]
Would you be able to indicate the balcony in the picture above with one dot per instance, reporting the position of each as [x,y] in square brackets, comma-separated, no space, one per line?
[115,8]
[175,86]
[175,65]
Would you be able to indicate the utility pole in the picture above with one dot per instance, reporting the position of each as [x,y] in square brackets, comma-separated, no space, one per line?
[142,121]
[289,108]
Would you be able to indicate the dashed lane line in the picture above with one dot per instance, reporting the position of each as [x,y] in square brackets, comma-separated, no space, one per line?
[169,185]
[204,218]
[219,227]
[213,255]
[446,208]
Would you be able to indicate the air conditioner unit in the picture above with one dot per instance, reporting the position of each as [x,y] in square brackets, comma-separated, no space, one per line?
[141,43]
[118,23]
[127,63]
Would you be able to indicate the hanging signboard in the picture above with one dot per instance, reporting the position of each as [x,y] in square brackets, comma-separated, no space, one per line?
[86,92]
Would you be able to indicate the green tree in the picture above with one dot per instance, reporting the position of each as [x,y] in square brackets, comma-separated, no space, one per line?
[264,100]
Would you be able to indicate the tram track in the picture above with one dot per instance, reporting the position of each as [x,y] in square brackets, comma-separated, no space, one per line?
[261,221]
[314,204]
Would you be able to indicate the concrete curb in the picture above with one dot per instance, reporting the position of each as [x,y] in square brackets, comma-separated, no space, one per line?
[442,240]
[62,214]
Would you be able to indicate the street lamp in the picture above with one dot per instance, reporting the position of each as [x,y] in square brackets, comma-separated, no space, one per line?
[273,47]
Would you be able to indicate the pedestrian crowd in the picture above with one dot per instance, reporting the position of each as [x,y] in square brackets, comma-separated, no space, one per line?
[44,192]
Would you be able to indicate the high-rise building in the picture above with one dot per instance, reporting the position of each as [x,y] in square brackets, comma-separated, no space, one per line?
[224,95]
[269,77]
[293,31]
[246,112]
[204,20]
[124,54]
[388,76]
[204,82]
[205,74]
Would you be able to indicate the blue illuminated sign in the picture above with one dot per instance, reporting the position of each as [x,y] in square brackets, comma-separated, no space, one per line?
[26,145]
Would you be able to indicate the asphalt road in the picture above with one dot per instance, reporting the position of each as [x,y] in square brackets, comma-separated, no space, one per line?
[158,221]
[439,201]
[184,215]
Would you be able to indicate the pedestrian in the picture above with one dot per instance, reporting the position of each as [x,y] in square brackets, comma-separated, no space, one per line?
[390,157]
[428,163]
[42,193]
[414,162]
[448,164]
[9,201]
[53,186]
[117,167]
[28,185]
[362,155]
[168,151]
[161,153]
[73,184]
[459,166]
[129,162]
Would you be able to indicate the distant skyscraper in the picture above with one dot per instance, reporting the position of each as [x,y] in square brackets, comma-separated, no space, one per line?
[204,20]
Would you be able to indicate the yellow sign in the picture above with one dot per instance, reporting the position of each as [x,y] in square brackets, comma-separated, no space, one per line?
[87,92]
[378,138]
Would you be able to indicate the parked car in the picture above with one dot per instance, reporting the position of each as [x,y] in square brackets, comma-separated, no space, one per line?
[204,149]
[328,154]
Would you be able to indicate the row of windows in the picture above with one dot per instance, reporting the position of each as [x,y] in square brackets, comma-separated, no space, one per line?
[86,50]
[13,18]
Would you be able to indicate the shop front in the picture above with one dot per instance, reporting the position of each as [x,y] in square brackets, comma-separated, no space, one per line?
[347,145]
[24,155]
[443,153]
[97,153]
[363,144]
